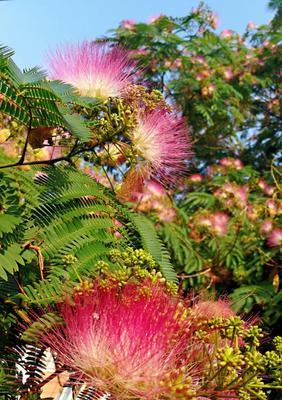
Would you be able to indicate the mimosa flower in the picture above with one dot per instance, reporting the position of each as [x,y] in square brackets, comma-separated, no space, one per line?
[275,238]
[162,145]
[125,341]
[94,69]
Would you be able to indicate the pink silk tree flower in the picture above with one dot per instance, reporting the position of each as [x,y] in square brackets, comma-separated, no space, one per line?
[94,69]
[125,341]
[209,309]
[275,238]
[266,227]
[220,223]
[196,178]
[162,145]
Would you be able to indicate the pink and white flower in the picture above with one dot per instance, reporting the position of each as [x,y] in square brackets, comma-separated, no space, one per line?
[123,341]
[275,238]
[162,145]
[94,69]
[128,24]
[226,33]
[266,227]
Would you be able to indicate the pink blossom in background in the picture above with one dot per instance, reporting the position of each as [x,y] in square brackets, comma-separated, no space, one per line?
[214,20]
[266,227]
[275,238]
[154,18]
[228,73]
[210,309]
[269,190]
[231,163]
[252,212]
[232,194]
[262,184]
[200,59]
[241,195]
[220,223]
[156,188]
[238,164]
[162,144]
[94,69]
[251,25]
[196,178]
[226,33]
[128,23]
[271,207]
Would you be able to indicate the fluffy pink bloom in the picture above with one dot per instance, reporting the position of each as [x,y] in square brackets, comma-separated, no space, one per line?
[251,25]
[233,194]
[269,190]
[214,20]
[200,59]
[156,188]
[220,223]
[196,178]
[275,238]
[123,341]
[262,184]
[271,207]
[93,68]
[226,33]
[252,212]
[128,24]
[154,18]
[162,145]
[266,227]
[210,309]
[231,162]
[228,73]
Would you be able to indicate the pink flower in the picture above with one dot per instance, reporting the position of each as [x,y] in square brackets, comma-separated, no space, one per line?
[252,212]
[269,190]
[156,189]
[272,207]
[154,18]
[214,20]
[233,194]
[238,164]
[219,223]
[162,145]
[124,341]
[251,25]
[231,162]
[262,184]
[167,214]
[266,227]
[200,59]
[128,24]
[226,33]
[208,90]
[241,195]
[196,178]
[210,309]
[275,238]
[228,73]
[93,68]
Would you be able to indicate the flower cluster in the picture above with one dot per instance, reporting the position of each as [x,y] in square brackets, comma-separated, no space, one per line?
[128,335]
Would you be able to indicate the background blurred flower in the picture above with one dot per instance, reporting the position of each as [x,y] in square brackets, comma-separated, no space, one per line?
[275,238]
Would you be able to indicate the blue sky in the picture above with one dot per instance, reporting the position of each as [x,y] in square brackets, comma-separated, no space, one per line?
[31,27]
